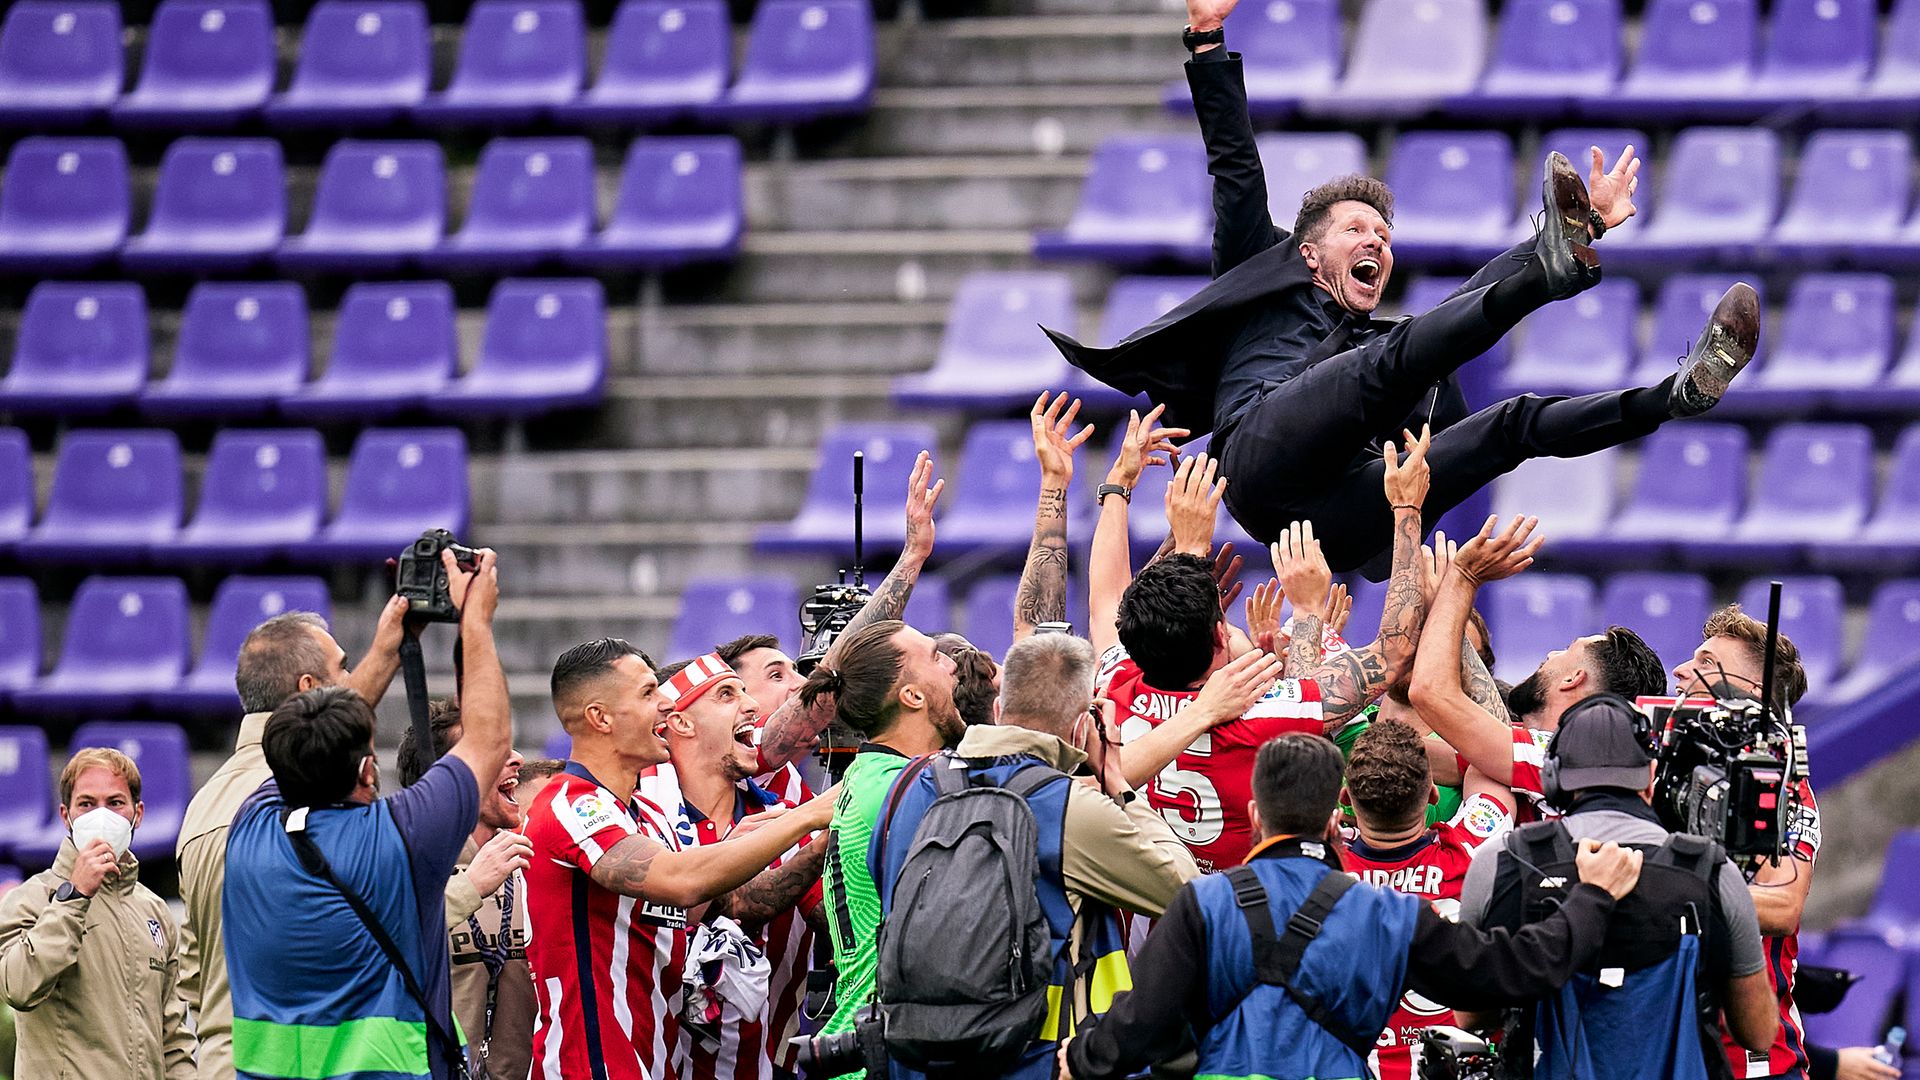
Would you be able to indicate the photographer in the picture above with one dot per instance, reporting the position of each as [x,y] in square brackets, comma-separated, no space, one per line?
[1683,946]
[1216,964]
[364,983]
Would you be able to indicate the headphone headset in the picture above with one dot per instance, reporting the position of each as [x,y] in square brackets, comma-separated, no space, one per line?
[1556,796]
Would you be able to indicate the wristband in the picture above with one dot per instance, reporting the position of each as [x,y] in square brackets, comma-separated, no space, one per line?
[1596,223]
[1100,493]
[1415,507]
[1193,39]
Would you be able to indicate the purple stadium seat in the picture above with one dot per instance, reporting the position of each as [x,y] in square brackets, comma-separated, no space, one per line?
[1890,645]
[993,354]
[1882,970]
[1132,302]
[1576,144]
[1837,335]
[1697,57]
[28,815]
[1572,497]
[1296,161]
[393,348]
[64,204]
[1865,171]
[1812,610]
[714,611]
[1453,195]
[1684,303]
[262,492]
[220,204]
[664,58]
[1691,485]
[400,483]
[986,618]
[1289,50]
[115,494]
[1894,89]
[19,635]
[532,201]
[930,608]
[209,63]
[125,638]
[1534,614]
[1896,903]
[239,605]
[1720,193]
[1548,55]
[81,348]
[60,61]
[994,485]
[517,59]
[243,346]
[680,202]
[16,487]
[1815,484]
[166,777]
[1890,540]
[559,746]
[1577,347]
[1147,520]
[825,520]
[1410,56]
[1665,609]
[805,59]
[1816,50]
[361,62]
[1146,197]
[377,205]
[545,348]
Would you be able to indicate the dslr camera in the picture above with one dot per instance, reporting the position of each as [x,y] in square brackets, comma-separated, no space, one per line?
[1726,769]
[1449,1053]
[420,576]
[865,1047]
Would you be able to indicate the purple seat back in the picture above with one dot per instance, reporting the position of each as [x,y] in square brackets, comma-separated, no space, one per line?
[126,632]
[987,617]
[1297,162]
[890,451]
[1692,471]
[239,338]
[82,338]
[1534,614]
[1821,37]
[1868,172]
[271,485]
[811,47]
[1558,38]
[65,195]
[997,475]
[1814,475]
[1811,613]
[60,56]
[1572,497]
[532,193]
[28,775]
[1838,330]
[1893,628]
[1144,187]
[1418,48]
[1684,304]
[19,633]
[1588,341]
[16,485]
[519,51]
[673,50]
[1667,610]
[401,332]
[208,54]
[1134,302]
[991,328]
[1722,185]
[545,332]
[1899,63]
[714,611]
[166,774]
[1687,39]
[219,195]
[1882,968]
[381,196]
[408,478]
[930,608]
[1452,184]
[367,53]
[242,603]
[119,484]
[1289,46]
[682,192]
[1900,497]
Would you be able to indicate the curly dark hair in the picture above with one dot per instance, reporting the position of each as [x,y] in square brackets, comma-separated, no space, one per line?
[1627,665]
[1387,776]
[1167,618]
[1316,206]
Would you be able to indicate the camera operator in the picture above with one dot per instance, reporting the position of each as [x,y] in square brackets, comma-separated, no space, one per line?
[1217,965]
[1730,663]
[1681,947]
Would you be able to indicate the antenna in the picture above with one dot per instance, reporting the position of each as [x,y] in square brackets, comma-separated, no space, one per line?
[859,516]
[1773,642]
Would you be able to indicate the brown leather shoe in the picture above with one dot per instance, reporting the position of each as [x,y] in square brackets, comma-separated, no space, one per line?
[1564,245]
[1725,346]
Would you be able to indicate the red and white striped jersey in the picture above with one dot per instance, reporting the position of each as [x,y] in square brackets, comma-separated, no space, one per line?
[607,968]
[1530,795]
[1432,868]
[1203,793]
[1787,1057]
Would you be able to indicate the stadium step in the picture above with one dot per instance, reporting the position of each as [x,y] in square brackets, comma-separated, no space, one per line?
[914,193]
[790,339]
[1043,120]
[1026,50]
[881,266]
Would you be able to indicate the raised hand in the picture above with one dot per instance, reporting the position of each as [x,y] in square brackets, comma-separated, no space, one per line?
[1226,575]
[1339,609]
[1208,14]
[1611,191]
[1303,570]
[923,491]
[1193,504]
[1407,480]
[1233,689]
[1263,615]
[1053,439]
[1492,556]
[1435,560]
[1144,445]
[477,593]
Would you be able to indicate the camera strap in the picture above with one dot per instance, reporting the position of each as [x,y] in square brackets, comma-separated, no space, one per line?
[1276,957]
[413,672]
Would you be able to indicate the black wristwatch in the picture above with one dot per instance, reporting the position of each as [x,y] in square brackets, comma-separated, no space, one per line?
[1193,39]
[66,891]
[1596,223]
[1100,493]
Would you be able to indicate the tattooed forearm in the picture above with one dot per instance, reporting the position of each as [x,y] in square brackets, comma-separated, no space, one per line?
[890,599]
[773,891]
[1479,684]
[1042,596]
[1304,652]
[1405,612]
[1349,682]
[624,869]
[791,730]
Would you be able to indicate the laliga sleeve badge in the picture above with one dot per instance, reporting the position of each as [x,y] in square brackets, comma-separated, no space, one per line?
[593,812]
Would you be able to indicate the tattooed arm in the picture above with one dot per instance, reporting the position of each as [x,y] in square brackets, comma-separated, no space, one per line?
[1352,680]
[890,599]
[1042,596]
[1304,651]
[638,866]
[773,891]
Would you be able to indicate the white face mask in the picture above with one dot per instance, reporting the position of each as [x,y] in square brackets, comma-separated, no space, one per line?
[101,823]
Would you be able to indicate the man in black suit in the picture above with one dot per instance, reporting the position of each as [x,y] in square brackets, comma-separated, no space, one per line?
[1282,358]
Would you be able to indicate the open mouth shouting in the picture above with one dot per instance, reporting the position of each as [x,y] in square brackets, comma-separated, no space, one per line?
[1368,276]
[507,788]
[743,735]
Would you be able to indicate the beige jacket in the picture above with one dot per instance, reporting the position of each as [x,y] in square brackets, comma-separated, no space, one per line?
[203,871]
[508,1048]
[96,982]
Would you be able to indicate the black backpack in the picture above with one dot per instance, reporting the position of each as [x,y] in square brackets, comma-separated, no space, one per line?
[965,950]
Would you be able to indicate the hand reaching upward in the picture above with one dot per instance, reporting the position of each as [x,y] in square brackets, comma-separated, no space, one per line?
[1053,438]
[923,491]
[1193,504]
[1205,15]
[1611,192]
[1493,556]
[1407,480]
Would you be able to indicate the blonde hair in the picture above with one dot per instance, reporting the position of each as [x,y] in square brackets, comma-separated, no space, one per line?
[1789,674]
[99,757]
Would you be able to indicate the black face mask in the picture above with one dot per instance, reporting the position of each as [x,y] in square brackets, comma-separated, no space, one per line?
[1529,695]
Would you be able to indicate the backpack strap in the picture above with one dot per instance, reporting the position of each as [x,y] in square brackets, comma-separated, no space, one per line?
[900,786]
[1276,958]
[1031,778]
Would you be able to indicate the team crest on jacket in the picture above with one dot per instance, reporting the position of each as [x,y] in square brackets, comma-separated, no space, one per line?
[153,928]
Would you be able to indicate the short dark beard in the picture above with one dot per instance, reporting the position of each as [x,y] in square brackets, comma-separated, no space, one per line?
[1529,695]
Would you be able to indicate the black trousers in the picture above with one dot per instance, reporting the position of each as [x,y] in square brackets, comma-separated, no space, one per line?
[1304,450]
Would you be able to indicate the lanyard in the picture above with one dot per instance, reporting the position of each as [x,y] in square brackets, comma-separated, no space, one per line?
[494,957]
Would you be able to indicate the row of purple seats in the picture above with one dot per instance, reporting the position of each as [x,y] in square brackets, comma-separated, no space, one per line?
[243,352]
[1887,970]
[1812,501]
[31,830]
[117,497]
[1697,58]
[127,643]
[211,64]
[1455,198]
[220,204]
